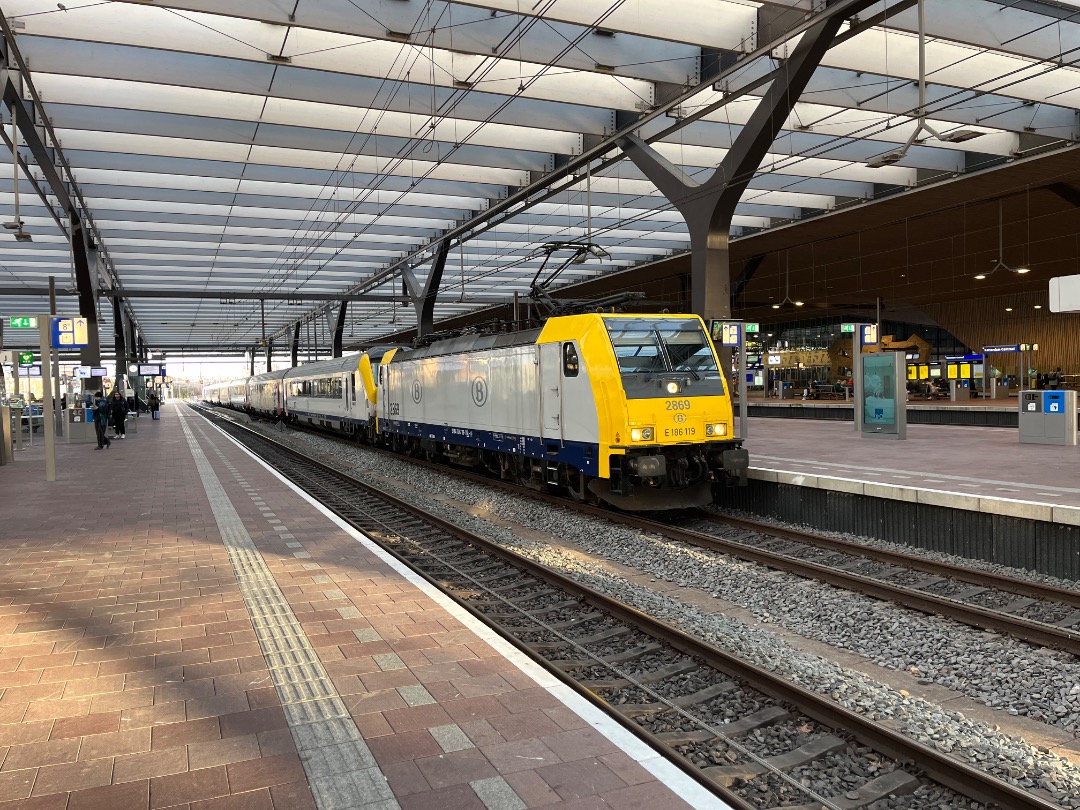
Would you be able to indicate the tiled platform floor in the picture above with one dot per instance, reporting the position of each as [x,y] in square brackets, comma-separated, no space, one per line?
[977,461]
[131,676]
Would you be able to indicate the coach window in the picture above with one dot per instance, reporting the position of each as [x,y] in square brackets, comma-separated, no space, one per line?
[570,363]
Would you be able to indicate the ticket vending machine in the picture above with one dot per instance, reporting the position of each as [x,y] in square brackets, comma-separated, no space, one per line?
[1048,417]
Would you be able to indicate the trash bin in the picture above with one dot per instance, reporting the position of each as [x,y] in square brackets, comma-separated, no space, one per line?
[1048,417]
[80,426]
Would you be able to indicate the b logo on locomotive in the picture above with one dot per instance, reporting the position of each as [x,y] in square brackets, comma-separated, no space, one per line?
[417,392]
[479,391]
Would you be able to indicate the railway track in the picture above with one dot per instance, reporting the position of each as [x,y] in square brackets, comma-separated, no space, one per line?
[1034,612]
[756,739]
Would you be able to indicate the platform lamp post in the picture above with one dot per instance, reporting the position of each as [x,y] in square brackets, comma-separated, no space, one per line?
[44,336]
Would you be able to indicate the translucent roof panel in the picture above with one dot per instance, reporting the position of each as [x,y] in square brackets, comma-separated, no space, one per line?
[229,148]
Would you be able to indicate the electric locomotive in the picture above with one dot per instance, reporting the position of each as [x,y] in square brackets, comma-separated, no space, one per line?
[629,409]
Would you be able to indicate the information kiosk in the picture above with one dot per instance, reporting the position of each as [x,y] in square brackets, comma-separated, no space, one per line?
[880,387]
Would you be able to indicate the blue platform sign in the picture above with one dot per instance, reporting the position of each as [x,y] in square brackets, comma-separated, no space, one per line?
[70,333]
[726,333]
[869,334]
[1015,347]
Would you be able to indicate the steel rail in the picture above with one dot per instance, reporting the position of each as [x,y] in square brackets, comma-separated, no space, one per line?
[946,770]
[1035,632]
[973,575]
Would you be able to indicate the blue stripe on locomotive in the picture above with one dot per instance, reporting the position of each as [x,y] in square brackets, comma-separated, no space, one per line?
[583,455]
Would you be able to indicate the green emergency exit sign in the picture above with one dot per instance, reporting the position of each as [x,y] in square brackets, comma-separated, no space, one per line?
[751,328]
[847,327]
[23,322]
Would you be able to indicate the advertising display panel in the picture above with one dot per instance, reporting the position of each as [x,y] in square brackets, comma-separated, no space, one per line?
[884,395]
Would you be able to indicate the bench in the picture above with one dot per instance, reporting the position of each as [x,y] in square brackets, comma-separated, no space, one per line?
[827,392]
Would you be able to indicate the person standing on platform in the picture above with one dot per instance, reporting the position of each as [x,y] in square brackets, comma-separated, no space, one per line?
[118,411]
[1055,379]
[154,403]
[100,409]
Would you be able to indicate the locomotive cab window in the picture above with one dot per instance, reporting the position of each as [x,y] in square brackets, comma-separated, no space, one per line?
[570,365]
[649,350]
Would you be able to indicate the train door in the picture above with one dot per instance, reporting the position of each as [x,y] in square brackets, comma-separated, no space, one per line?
[551,391]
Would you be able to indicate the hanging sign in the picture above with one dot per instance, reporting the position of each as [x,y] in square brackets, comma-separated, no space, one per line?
[70,333]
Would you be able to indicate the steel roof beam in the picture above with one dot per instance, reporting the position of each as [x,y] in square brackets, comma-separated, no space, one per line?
[839,8]
[37,131]
[339,330]
[708,207]
[238,295]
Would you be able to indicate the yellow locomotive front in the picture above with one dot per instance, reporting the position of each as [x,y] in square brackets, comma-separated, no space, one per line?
[675,439]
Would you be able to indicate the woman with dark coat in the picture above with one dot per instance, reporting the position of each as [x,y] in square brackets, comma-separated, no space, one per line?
[118,411]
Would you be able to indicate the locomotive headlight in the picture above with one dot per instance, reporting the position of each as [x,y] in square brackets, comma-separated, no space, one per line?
[641,434]
[673,387]
[716,430]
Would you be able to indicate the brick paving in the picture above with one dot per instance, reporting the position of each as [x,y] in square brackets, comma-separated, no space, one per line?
[131,676]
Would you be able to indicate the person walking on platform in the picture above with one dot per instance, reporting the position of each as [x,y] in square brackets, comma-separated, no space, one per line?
[154,403]
[118,411]
[100,410]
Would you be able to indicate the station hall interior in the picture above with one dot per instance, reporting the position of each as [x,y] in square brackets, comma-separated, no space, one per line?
[880,198]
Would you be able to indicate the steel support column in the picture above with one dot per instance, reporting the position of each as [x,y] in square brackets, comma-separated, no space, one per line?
[84,259]
[336,348]
[294,349]
[708,207]
[425,303]
[120,339]
[269,355]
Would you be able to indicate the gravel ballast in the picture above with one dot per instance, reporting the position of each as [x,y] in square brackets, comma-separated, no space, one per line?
[1000,672]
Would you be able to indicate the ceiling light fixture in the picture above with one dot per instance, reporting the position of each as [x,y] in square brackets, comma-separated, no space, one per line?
[1000,263]
[955,136]
[787,286]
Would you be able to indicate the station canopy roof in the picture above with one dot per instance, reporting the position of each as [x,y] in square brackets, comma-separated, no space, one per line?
[307,148]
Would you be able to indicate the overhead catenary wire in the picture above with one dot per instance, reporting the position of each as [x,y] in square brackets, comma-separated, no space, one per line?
[590,209]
